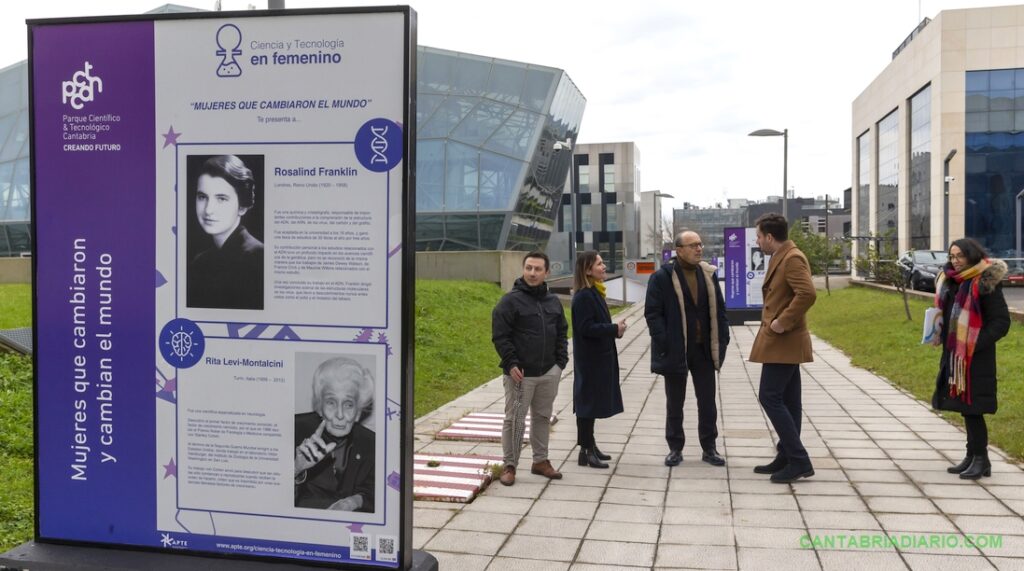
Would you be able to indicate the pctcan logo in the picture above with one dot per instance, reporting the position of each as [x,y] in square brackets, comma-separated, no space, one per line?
[229,42]
[82,87]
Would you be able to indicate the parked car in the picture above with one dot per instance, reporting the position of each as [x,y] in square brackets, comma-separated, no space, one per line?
[1015,274]
[920,267]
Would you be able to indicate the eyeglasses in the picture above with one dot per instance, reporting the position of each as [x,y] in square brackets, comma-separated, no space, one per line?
[954,257]
[695,245]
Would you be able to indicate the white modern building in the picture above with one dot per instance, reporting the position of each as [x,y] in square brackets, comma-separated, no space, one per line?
[600,208]
[938,137]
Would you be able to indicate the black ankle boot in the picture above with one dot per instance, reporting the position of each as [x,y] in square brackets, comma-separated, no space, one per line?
[963,465]
[600,455]
[980,466]
[588,458]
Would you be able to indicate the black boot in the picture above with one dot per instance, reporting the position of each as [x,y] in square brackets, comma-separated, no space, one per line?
[772,467]
[980,466]
[600,455]
[963,465]
[588,458]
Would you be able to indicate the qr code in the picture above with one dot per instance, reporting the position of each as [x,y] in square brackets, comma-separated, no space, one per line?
[360,547]
[387,549]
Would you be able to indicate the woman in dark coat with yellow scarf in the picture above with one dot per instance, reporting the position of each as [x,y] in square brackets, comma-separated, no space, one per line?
[974,317]
[595,390]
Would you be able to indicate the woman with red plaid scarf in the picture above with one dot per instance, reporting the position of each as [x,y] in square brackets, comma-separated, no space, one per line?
[974,317]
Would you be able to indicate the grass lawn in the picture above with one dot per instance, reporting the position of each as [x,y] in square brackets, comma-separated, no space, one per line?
[454,353]
[15,450]
[16,517]
[15,306]
[871,327]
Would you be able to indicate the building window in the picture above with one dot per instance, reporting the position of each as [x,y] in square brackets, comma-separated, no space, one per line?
[995,158]
[583,176]
[612,216]
[886,213]
[607,172]
[586,221]
[920,169]
[863,184]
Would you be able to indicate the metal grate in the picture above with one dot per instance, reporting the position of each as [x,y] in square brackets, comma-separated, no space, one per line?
[17,340]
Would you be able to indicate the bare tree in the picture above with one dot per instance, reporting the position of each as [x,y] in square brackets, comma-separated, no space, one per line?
[884,271]
[660,231]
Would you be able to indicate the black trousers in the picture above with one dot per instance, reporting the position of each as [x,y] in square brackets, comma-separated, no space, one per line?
[977,434]
[703,371]
[779,395]
[585,432]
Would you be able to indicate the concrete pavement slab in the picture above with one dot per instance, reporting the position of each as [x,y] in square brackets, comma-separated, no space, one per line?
[553,527]
[879,457]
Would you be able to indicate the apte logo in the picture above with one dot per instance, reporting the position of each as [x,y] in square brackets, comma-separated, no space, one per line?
[169,542]
[229,40]
[82,87]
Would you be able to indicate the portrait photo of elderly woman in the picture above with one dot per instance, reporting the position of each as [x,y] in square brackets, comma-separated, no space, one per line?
[334,452]
[224,252]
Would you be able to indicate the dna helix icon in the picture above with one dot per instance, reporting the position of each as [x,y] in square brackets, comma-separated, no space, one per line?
[379,145]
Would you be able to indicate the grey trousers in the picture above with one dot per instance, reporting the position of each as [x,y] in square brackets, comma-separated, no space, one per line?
[538,395]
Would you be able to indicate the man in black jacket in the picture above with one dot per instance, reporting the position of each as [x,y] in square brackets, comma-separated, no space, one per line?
[529,331]
[689,330]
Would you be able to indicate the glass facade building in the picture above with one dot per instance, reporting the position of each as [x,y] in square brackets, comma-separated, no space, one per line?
[711,223]
[995,157]
[15,237]
[489,175]
[943,125]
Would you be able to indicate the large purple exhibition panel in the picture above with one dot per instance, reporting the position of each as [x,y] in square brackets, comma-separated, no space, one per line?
[745,267]
[222,324]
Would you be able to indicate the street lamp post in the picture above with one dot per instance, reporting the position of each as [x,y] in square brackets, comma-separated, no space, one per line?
[828,247]
[785,163]
[566,145]
[946,179]
[1020,200]
[621,219]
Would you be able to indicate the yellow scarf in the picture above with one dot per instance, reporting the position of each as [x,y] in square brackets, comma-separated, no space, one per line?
[599,286]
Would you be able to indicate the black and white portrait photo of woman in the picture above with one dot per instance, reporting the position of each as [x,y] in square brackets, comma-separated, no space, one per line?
[756,260]
[225,253]
[334,450]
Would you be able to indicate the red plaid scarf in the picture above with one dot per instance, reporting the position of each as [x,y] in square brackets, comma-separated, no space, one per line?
[964,325]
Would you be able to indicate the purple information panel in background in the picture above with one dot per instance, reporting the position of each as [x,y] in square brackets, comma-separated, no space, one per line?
[220,207]
[745,267]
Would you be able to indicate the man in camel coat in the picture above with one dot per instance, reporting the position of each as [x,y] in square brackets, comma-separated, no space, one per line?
[782,343]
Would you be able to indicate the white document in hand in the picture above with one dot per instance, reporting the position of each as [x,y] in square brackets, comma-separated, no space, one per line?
[932,325]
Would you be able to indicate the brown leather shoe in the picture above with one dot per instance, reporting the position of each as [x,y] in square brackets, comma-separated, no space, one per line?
[545,469]
[508,475]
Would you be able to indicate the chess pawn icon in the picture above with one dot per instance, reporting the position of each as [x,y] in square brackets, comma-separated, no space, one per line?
[229,38]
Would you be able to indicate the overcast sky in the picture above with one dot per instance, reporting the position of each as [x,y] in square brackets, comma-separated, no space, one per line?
[686,81]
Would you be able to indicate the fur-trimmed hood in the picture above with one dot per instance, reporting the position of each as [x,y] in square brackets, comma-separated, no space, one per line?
[991,277]
[987,281]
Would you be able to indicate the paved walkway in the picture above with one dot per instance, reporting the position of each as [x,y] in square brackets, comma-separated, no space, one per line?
[879,457]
